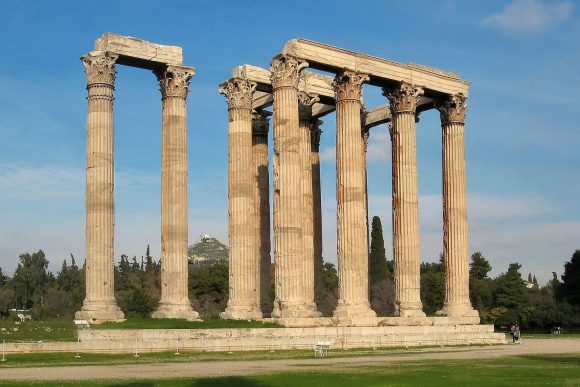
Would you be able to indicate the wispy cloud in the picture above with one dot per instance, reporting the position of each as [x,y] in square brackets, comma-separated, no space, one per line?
[530,16]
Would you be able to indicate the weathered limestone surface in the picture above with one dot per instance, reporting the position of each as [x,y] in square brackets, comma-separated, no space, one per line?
[317,211]
[351,199]
[138,52]
[406,252]
[174,303]
[325,57]
[455,228]
[244,262]
[293,298]
[260,126]
[99,304]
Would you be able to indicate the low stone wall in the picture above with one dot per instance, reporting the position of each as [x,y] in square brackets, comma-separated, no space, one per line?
[250,339]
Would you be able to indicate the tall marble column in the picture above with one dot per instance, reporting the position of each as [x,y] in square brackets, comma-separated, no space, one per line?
[244,262]
[317,211]
[455,228]
[100,304]
[174,86]
[260,126]
[353,254]
[406,251]
[305,103]
[293,298]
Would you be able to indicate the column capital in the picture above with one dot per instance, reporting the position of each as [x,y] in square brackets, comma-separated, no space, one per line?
[315,133]
[285,70]
[402,97]
[260,123]
[453,109]
[305,102]
[174,81]
[100,67]
[238,92]
[365,133]
[348,85]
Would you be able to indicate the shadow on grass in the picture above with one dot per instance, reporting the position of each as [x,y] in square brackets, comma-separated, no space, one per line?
[230,381]
[573,360]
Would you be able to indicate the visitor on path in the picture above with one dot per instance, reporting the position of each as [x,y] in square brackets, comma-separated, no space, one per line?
[512,332]
[517,334]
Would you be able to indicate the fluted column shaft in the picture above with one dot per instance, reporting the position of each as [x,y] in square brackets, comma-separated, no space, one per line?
[293,298]
[99,304]
[317,212]
[174,303]
[455,227]
[244,262]
[262,207]
[350,191]
[406,245]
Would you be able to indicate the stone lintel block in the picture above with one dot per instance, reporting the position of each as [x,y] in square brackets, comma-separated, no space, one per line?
[139,53]
[381,71]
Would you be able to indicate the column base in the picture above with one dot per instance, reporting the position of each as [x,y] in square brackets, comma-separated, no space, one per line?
[410,310]
[176,311]
[460,310]
[350,311]
[96,312]
[241,312]
[295,310]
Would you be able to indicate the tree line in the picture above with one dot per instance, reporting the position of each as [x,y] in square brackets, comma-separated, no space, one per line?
[502,300]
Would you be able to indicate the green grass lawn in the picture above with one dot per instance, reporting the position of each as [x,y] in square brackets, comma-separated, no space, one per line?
[560,370]
[61,330]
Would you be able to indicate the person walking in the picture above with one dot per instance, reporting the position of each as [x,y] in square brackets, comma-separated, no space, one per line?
[517,334]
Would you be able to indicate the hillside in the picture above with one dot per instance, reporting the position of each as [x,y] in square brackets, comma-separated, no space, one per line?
[207,251]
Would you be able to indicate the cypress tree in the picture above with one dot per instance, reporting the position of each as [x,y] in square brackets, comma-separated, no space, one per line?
[378,270]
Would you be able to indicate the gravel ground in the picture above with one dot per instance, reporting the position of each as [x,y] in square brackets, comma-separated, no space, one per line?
[243,367]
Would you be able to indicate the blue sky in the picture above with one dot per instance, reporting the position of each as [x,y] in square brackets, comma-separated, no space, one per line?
[522,133]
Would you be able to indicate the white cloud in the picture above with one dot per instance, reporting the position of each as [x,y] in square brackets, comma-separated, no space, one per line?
[378,148]
[328,155]
[530,16]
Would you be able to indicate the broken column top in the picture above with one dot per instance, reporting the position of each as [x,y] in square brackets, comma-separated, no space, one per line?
[139,53]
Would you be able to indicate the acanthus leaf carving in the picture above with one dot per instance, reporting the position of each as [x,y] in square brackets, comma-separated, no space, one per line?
[305,102]
[238,93]
[453,109]
[100,67]
[174,81]
[285,71]
[315,134]
[260,123]
[348,85]
[403,97]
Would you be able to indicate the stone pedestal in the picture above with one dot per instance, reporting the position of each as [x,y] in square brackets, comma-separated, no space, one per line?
[100,304]
[244,263]
[317,211]
[455,229]
[406,252]
[351,199]
[294,297]
[262,207]
[174,303]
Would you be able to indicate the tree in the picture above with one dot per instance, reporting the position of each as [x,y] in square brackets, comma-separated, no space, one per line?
[479,266]
[330,289]
[510,288]
[432,286]
[378,270]
[569,289]
[31,279]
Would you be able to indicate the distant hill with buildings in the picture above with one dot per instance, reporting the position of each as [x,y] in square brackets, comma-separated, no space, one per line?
[207,251]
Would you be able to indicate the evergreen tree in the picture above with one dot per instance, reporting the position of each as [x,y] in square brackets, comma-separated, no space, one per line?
[31,279]
[569,289]
[510,288]
[479,266]
[378,270]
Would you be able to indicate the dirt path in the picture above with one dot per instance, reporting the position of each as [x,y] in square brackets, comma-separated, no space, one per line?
[243,367]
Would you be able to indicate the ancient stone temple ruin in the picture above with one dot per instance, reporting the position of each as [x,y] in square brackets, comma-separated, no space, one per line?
[173,77]
[299,99]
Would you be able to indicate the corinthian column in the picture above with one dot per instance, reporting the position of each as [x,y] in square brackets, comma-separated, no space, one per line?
[455,238]
[174,86]
[317,211]
[244,262]
[353,254]
[99,304]
[293,297]
[403,104]
[260,126]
